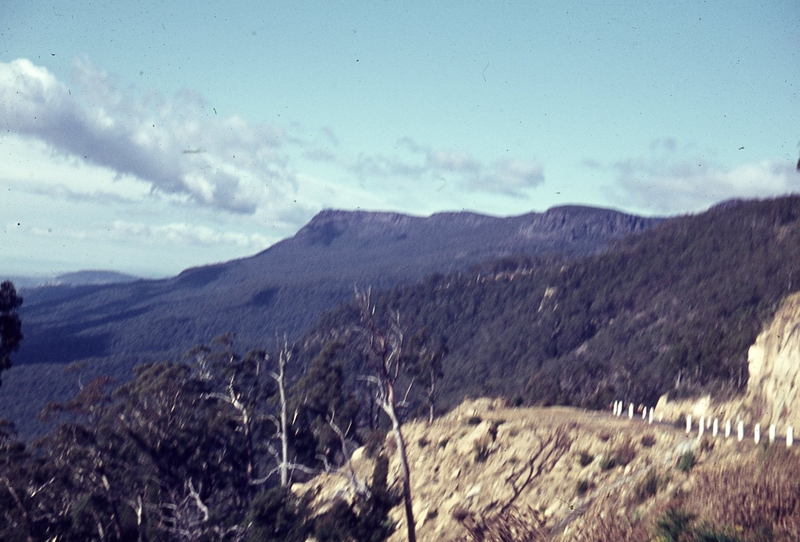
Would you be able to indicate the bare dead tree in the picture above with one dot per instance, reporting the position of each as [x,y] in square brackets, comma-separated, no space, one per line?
[383,349]
[282,424]
[359,486]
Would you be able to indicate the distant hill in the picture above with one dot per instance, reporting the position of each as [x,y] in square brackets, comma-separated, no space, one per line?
[76,278]
[91,277]
[283,289]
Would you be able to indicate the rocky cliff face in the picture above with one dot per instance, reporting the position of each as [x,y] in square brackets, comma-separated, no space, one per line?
[773,394]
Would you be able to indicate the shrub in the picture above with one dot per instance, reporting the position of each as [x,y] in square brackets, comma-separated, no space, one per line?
[647,487]
[608,462]
[686,462]
[673,524]
[373,442]
[609,527]
[474,420]
[583,486]
[585,458]
[276,514]
[709,534]
[625,453]
[482,451]
[648,440]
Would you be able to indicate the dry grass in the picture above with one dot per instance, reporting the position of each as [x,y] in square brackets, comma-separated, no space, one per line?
[605,526]
[751,497]
[514,525]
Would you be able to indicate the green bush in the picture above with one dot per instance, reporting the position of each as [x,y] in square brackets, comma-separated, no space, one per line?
[647,487]
[673,524]
[686,462]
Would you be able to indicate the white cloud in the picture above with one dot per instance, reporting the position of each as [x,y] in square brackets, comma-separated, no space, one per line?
[673,183]
[178,145]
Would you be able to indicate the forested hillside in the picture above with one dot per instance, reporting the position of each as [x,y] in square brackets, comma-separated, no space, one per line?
[110,328]
[674,309]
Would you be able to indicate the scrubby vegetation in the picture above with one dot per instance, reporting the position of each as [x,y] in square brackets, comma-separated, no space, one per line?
[744,501]
[673,309]
[193,451]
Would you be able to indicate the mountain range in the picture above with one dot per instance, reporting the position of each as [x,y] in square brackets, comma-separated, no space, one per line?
[109,327]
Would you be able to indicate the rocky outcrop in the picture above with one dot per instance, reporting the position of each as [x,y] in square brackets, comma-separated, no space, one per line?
[773,389]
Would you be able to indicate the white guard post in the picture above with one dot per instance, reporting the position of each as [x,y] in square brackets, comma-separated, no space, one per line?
[715,428]
[741,431]
[757,433]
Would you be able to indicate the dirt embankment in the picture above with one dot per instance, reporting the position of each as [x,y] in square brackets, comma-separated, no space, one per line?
[565,466]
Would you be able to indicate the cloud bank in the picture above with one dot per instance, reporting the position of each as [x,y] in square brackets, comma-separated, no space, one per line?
[511,177]
[178,145]
[669,182]
[176,233]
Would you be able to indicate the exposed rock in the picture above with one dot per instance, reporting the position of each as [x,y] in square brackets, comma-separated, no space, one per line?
[774,368]
[482,436]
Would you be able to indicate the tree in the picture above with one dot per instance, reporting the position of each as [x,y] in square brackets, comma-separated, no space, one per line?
[383,348]
[10,324]
[426,365]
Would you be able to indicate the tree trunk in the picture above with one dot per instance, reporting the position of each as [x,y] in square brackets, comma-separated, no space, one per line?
[388,406]
[284,422]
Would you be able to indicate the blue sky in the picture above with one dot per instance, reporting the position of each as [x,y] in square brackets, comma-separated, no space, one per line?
[148,137]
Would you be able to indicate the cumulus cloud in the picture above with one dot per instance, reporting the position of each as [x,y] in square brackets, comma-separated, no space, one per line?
[176,144]
[674,183]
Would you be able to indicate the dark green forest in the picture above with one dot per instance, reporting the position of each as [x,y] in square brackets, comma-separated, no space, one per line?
[191,448]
